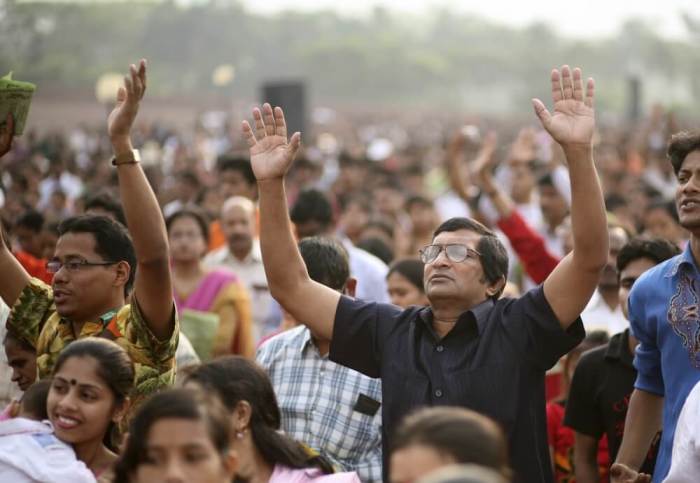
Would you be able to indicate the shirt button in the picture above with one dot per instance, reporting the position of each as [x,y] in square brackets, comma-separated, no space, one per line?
[438,393]
[440,348]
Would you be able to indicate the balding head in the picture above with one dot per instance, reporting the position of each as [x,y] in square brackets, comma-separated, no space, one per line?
[238,225]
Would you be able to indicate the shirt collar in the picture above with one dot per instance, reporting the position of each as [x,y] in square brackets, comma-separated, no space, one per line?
[104,318]
[686,260]
[618,348]
[477,315]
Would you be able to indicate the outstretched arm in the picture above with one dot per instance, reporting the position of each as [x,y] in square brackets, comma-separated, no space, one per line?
[7,134]
[152,286]
[14,276]
[271,155]
[570,286]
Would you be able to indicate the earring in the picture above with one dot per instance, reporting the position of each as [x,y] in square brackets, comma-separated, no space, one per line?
[239,434]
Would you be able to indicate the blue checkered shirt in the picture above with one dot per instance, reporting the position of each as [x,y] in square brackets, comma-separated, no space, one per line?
[332,409]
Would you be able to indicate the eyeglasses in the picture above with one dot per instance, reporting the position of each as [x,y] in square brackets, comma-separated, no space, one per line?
[53,266]
[455,252]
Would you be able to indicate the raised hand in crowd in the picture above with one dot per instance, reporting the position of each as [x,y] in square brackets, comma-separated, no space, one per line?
[572,123]
[7,134]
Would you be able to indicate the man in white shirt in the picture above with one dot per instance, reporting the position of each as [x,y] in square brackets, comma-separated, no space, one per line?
[312,215]
[604,312]
[241,254]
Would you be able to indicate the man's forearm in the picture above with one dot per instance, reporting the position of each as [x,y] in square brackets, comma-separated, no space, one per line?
[284,266]
[589,223]
[643,421]
[586,459]
[143,215]
[14,276]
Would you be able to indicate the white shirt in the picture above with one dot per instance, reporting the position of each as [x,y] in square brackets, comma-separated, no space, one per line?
[251,272]
[685,459]
[29,452]
[370,273]
[599,316]
[8,389]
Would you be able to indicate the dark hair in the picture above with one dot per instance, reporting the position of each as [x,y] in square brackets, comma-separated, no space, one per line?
[326,261]
[411,269]
[614,201]
[172,404]
[31,220]
[229,162]
[668,206]
[34,400]
[192,212]
[382,224]
[418,200]
[466,436]
[494,258]
[654,249]
[189,176]
[237,379]
[312,205]
[545,180]
[14,338]
[680,146]
[112,240]
[377,247]
[114,366]
[107,202]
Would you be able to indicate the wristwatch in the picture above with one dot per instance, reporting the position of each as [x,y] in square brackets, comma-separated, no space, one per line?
[131,157]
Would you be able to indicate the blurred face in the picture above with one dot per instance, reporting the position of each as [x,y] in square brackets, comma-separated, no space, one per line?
[553,205]
[628,276]
[403,293]
[23,364]
[423,218]
[523,182]
[29,241]
[658,223]
[388,201]
[181,450]
[48,244]
[238,225]
[409,464]
[354,219]
[463,281]
[80,404]
[186,240]
[618,238]
[89,291]
[688,192]
[233,183]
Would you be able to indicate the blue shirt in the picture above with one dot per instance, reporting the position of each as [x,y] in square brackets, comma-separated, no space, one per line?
[663,309]
[493,361]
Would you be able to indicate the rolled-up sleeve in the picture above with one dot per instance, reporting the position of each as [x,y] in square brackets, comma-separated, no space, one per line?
[647,358]
[29,313]
[359,333]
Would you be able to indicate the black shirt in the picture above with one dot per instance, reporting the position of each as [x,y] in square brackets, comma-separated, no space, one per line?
[493,362]
[600,393]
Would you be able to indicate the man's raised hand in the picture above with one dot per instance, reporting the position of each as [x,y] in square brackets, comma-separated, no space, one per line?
[7,134]
[573,122]
[128,97]
[270,152]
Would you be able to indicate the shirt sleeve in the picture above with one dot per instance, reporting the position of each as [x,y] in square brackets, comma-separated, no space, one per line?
[582,413]
[647,358]
[160,354]
[31,310]
[359,334]
[536,331]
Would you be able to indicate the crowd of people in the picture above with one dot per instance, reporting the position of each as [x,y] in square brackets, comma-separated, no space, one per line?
[369,305]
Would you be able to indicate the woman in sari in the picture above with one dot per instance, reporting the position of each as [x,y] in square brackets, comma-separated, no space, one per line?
[202,295]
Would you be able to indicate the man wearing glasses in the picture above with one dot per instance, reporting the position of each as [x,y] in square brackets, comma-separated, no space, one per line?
[95,266]
[468,348]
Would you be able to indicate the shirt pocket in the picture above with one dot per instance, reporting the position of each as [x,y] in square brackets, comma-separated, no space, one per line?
[352,432]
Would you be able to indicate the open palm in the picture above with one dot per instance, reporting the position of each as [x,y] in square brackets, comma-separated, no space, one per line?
[128,97]
[573,120]
[271,154]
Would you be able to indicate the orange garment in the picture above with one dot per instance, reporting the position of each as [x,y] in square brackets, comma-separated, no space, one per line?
[216,235]
[35,267]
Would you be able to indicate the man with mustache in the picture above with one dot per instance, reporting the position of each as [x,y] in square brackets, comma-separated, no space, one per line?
[469,347]
[241,254]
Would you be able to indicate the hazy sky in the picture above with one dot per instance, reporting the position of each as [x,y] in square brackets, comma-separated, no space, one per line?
[584,18]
